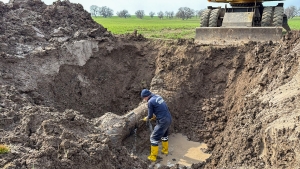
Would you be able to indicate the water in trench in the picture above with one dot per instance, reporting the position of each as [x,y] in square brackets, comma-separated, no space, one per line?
[182,152]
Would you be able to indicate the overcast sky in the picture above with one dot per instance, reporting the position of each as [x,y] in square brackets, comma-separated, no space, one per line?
[154,5]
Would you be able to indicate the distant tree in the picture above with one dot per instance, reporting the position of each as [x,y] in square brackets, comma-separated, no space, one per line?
[172,14]
[123,14]
[151,14]
[105,11]
[160,15]
[169,14]
[185,13]
[140,14]
[199,12]
[292,11]
[94,10]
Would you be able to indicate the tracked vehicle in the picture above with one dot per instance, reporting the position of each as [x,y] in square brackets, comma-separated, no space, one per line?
[245,20]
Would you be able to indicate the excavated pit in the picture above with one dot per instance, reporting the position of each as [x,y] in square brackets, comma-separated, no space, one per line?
[70,94]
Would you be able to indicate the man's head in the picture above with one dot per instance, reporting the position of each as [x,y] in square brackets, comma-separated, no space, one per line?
[145,94]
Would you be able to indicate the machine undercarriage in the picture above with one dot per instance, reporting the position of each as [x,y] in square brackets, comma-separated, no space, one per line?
[246,20]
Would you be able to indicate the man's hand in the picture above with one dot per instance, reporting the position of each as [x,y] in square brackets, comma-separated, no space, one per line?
[153,118]
[145,118]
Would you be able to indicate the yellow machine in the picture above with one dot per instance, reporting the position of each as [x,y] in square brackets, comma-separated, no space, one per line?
[246,20]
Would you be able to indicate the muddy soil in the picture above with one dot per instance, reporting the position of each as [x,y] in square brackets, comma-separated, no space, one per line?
[61,72]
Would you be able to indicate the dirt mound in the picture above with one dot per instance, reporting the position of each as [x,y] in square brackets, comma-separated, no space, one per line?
[41,137]
[37,42]
[61,72]
[27,25]
[58,40]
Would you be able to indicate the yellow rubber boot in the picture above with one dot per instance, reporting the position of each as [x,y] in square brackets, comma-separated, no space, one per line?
[154,153]
[165,147]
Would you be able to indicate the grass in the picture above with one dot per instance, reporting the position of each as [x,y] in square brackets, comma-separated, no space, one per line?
[4,149]
[161,28]
[151,27]
[294,23]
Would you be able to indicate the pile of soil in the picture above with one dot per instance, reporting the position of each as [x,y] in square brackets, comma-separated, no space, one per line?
[44,74]
[61,72]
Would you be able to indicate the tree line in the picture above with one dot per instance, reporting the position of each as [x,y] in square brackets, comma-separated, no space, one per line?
[183,12]
[292,11]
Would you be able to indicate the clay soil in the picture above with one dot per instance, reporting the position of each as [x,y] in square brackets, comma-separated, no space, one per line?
[60,72]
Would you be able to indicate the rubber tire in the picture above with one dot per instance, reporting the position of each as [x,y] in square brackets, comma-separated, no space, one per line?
[266,18]
[278,16]
[205,18]
[213,19]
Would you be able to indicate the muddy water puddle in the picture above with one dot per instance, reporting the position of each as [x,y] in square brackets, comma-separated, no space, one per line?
[182,152]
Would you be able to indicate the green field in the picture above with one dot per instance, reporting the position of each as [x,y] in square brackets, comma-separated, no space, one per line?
[295,23]
[156,28]
[151,27]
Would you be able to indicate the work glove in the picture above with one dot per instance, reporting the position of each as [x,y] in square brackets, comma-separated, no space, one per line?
[153,118]
[146,118]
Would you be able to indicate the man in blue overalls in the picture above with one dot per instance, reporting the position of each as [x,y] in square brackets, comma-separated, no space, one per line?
[157,108]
